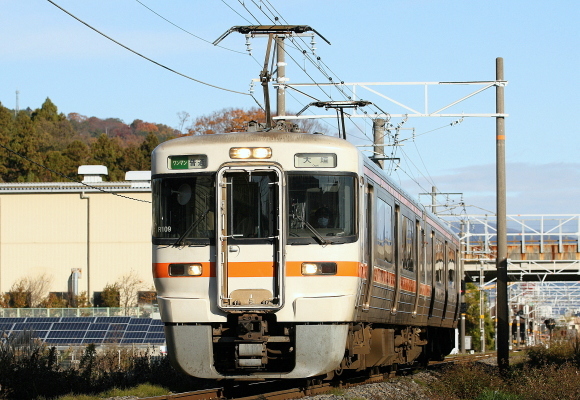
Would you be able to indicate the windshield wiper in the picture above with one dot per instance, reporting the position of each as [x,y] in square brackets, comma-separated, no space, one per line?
[180,242]
[312,229]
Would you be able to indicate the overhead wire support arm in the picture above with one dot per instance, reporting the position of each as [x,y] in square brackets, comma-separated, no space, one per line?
[255,30]
[275,33]
[339,106]
[411,112]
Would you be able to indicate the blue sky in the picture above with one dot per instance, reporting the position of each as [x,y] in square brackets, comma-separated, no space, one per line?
[46,53]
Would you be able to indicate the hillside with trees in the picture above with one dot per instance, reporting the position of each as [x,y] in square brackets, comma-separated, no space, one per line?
[31,139]
[44,145]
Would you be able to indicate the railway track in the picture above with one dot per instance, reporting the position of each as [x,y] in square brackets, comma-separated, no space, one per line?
[283,390]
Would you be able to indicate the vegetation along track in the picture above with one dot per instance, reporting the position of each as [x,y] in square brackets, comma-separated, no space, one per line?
[283,389]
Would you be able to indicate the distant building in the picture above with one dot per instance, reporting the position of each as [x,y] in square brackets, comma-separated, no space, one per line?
[80,236]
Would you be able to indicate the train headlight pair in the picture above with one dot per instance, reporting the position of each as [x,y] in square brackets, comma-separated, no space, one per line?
[250,152]
[319,268]
[185,269]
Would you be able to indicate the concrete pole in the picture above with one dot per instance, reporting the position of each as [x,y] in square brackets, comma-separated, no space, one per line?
[379,140]
[433,199]
[501,261]
[281,77]
[481,310]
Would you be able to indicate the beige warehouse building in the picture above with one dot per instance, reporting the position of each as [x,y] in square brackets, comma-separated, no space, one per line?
[81,237]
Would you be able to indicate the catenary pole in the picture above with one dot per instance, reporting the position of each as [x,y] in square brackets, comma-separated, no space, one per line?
[378,141]
[281,77]
[501,261]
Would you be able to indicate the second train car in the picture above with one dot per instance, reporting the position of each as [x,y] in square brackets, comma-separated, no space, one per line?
[290,255]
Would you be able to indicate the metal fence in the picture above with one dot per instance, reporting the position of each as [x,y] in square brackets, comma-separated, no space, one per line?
[526,234]
[138,312]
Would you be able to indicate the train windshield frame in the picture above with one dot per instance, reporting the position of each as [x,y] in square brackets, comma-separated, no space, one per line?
[183,209]
[322,208]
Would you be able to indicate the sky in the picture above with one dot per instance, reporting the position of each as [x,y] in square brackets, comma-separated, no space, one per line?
[44,52]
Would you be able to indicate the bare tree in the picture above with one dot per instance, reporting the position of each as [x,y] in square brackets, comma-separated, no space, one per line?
[38,288]
[129,286]
[28,292]
[183,117]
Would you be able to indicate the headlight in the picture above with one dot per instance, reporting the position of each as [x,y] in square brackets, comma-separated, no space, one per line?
[319,268]
[250,152]
[185,269]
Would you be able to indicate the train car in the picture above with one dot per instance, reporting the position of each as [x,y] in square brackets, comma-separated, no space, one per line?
[290,255]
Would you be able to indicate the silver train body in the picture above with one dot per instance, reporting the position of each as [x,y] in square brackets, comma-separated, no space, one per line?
[291,255]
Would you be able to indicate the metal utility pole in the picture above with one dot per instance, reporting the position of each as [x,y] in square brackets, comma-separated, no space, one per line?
[501,261]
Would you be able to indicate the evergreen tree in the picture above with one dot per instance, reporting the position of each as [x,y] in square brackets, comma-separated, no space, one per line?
[108,152]
[6,127]
[23,141]
[472,317]
[47,111]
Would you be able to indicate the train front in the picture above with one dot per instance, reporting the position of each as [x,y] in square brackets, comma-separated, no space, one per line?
[255,252]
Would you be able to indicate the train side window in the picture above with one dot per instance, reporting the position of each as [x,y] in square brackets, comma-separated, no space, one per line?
[388,215]
[380,229]
[439,261]
[384,231]
[451,266]
[429,258]
[409,245]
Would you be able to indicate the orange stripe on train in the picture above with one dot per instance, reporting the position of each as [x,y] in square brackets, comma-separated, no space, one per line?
[257,269]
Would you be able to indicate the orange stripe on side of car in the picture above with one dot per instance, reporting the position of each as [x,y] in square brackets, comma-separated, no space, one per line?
[256,269]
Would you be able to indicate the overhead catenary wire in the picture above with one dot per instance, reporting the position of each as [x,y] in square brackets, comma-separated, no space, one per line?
[185,30]
[249,12]
[147,58]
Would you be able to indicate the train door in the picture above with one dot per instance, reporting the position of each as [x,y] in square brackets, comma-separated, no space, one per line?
[419,266]
[369,249]
[439,292]
[398,259]
[249,256]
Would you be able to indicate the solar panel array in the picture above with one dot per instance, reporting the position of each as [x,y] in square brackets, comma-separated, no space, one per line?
[86,330]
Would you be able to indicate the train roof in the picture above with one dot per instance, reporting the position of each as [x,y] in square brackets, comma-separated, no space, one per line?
[259,136]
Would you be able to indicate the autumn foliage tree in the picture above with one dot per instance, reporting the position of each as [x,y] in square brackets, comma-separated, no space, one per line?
[225,120]
[236,120]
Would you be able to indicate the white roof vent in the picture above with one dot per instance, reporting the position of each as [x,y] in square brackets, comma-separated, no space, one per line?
[138,178]
[93,173]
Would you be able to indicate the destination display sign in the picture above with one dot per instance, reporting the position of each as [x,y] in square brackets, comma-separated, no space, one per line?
[193,161]
[315,160]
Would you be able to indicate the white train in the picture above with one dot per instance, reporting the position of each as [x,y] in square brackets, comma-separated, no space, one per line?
[289,255]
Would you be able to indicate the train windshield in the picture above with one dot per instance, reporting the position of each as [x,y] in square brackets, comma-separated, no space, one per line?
[183,209]
[322,208]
